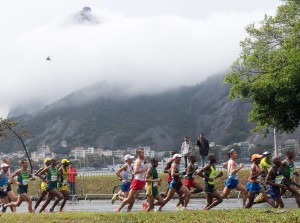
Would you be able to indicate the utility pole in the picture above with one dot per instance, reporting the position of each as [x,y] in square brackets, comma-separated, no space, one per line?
[275,143]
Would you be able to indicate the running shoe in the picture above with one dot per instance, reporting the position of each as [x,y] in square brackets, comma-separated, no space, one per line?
[3,207]
[114,198]
[259,198]
[178,207]
[144,206]
[116,210]
[51,210]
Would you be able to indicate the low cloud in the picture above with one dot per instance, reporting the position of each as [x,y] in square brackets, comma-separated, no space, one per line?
[143,54]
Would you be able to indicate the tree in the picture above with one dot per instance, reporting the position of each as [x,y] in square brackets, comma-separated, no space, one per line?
[267,73]
[9,128]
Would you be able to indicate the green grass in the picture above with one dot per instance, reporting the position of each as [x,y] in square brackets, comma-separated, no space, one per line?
[213,216]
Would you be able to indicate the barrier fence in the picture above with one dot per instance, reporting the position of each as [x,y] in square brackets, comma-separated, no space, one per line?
[100,184]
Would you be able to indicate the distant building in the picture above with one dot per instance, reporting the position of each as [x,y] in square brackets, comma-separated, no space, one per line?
[148,152]
[118,153]
[244,149]
[80,152]
[43,152]
[292,144]
[103,152]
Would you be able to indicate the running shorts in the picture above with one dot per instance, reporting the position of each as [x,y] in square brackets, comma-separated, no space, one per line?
[175,185]
[231,183]
[253,187]
[209,188]
[137,184]
[125,187]
[189,183]
[273,191]
[22,189]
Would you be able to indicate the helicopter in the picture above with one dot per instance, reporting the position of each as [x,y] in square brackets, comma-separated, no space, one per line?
[49,58]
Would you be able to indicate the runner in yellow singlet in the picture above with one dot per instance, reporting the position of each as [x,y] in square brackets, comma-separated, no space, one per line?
[47,163]
[63,182]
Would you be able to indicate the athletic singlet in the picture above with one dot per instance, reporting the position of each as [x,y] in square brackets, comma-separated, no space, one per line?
[277,178]
[265,163]
[233,176]
[176,178]
[23,178]
[141,176]
[288,171]
[4,181]
[153,177]
[191,175]
[257,170]
[52,174]
[127,174]
[212,174]
[52,177]
[65,174]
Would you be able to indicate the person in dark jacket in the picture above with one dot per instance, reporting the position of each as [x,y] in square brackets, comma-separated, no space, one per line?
[203,145]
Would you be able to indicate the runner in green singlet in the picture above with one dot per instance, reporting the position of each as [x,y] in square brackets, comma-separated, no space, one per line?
[23,179]
[288,172]
[52,175]
[152,183]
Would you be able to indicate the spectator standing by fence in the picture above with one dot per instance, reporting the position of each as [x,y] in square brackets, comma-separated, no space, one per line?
[186,149]
[72,179]
[203,146]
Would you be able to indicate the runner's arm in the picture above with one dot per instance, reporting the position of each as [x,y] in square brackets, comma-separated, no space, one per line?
[206,168]
[120,170]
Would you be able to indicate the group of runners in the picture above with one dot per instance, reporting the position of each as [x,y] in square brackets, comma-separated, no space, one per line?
[269,178]
[276,174]
[54,185]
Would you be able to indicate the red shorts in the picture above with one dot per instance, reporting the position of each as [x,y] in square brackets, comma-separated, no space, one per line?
[189,183]
[169,179]
[137,184]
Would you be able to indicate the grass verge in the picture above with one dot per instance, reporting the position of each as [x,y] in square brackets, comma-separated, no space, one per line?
[213,216]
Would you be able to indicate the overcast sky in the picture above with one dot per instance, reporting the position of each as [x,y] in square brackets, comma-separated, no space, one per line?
[146,46]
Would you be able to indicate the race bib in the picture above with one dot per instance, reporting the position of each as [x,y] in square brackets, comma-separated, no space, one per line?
[65,182]
[278,179]
[53,178]
[25,182]
[5,187]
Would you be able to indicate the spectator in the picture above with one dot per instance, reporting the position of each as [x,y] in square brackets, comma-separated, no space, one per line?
[186,149]
[203,145]
[72,179]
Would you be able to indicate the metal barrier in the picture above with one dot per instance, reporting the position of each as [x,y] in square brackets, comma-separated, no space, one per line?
[93,184]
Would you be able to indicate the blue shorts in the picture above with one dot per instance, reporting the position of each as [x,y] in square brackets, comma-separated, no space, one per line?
[125,187]
[231,183]
[175,185]
[253,187]
[273,191]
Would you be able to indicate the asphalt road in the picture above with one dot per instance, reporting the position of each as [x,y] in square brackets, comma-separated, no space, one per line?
[195,204]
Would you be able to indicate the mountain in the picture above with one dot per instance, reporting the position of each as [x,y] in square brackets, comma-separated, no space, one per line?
[99,116]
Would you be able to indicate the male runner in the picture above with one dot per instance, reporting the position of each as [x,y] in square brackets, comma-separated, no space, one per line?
[209,173]
[23,179]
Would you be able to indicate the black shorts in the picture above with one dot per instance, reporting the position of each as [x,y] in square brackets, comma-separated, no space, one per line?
[3,194]
[9,187]
[175,185]
[209,188]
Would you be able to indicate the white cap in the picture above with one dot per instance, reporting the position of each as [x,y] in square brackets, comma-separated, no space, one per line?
[128,156]
[177,155]
[4,165]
